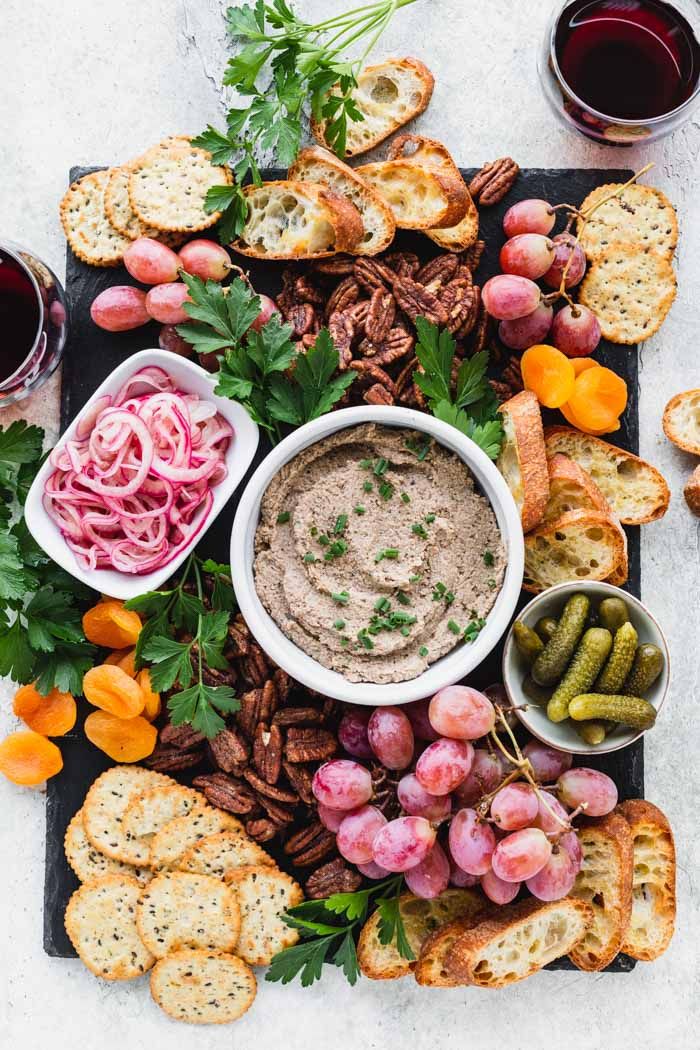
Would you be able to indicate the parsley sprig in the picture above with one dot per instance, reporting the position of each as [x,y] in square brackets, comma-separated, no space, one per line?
[329,930]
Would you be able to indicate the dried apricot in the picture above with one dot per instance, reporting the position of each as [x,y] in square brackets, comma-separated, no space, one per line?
[598,398]
[575,422]
[111,625]
[124,658]
[29,758]
[123,739]
[152,706]
[582,364]
[549,374]
[51,715]
[111,689]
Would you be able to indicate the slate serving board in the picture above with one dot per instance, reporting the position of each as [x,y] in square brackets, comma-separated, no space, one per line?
[90,357]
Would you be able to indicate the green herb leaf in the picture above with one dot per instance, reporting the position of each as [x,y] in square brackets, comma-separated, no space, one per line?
[171,662]
[391,927]
[198,705]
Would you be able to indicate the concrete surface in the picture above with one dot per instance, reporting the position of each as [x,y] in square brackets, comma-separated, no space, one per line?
[93,81]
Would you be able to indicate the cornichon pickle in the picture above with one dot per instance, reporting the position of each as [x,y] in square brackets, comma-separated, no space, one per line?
[537,693]
[546,627]
[553,660]
[591,654]
[648,665]
[591,733]
[629,710]
[613,612]
[529,644]
[619,663]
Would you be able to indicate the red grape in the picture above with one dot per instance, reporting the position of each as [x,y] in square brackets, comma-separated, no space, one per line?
[151,262]
[120,308]
[462,713]
[443,765]
[587,787]
[432,876]
[461,879]
[565,244]
[570,842]
[497,890]
[168,339]
[342,784]
[372,870]
[352,732]
[521,855]
[417,802]
[357,833]
[556,879]
[417,714]
[576,331]
[507,296]
[544,819]
[472,842]
[331,818]
[530,216]
[205,259]
[514,807]
[547,763]
[484,776]
[524,332]
[403,843]
[528,255]
[164,303]
[268,307]
[391,737]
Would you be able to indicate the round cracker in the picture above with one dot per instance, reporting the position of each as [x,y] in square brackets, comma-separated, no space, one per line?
[180,910]
[171,843]
[101,924]
[105,805]
[630,291]
[86,226]
[219,854]
[88,863]
[168,187]
[121,215]
[151,811]
[264,894]
[202,987]
[641,215]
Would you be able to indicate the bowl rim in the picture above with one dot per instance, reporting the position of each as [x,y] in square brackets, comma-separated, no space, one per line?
[450,668]
[600,587]
[239,456]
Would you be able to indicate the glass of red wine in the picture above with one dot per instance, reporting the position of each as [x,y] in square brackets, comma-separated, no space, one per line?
[33,322]
[623,71]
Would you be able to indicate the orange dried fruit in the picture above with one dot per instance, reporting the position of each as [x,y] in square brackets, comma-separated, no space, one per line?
[111,689]
[123,739]
[124,658]
[582,364]
[549,374]
[28,758]
[575,422]
[110,625]
[51,715]
[598,398]
[152,706]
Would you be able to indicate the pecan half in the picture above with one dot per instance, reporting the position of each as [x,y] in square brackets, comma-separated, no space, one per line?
[358,314]
[378,395]
[342,333]
[470,320]
[277,811]
[373,373]
[262,829]
[371,273]
[309,745]
[182,737]
[172,760]
[267,752]
[338,266]
[437,272]
[310,845]
[397,344]
[239,637]
[380,316]
[255,666]
[416,301]
[283,684]
[261,787]
[268,700]
[297,716]
[457,298]
[344,296]
[493,181]
[405,376]
[249,711]
[333,877]
[225,793]
[306,292]
[480,334]
[301,317]
[405,264]
[230,751]
[471,256]
[300,778]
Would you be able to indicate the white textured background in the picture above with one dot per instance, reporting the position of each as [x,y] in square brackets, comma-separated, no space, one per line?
[96,81]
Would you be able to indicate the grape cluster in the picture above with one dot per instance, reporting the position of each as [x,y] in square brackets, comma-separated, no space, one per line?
[513,298]
[474,810]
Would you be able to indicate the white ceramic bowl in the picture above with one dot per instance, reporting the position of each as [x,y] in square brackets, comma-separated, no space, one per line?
[239,455]
[445,671]
[563,735]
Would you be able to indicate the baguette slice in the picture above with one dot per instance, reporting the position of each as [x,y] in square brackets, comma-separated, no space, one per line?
[297,220]
[511,943]
[691,491]
[523,461]
[653,881]
[580,545]
[382,962]
[432,154]
[419,197]
[635,490]
[432,969]
[319,165]
[605,883]
[387,95]
[681,421]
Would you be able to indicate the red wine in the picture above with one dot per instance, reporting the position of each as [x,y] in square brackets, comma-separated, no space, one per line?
[628,59]
[20,315]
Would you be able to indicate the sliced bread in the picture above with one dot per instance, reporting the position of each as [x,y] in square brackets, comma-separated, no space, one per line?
[432,969]
[419,197]
[653,881]
[635,490]
[681,421]
[388,95]
[523,461]
[605,883]
[691,491]
[316,164]
[297,220]
[580,545]
[511,943]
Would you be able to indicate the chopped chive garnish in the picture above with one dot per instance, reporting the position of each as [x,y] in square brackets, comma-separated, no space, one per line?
[382,605]
[339,624]
[367,486]
[429,519]
[345,642]
[492,584]
[471,631]
[359,509]
[418,449]
[336,549]
[399,617]
[283,518]
[405,631]
[380,467]
[449,598]
[340,524]
[439,591]
[423,651]
[341,597]
[402,598]
[364,639]
[309,558]
[454,627]
[419,530]
[391,553]
[323,540]
[415,578]
[488,558]
[313,530]
[386,490]
[405,497]
[365,464]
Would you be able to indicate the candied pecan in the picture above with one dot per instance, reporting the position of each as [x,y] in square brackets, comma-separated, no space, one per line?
[277,811]
[239,636]
[329,709]
[342,332]
[437,272]
[308,340]
[230,751]
[249,711]
[501,390]
[380,316]
[405,264]
[416,301]
[262,787]
[372,373]
[301,317]
[283,684]
[371,273]
[366,348]
[297,716]
[358,314]
[405,376]
[457,298]
[481,331]
[471,256]
[493,181]
[268,701]
[267,751]
[225,793]
[262,829]
[172,759]
[284,302]
[309,745]
[333,877]
[397,344]
[344,296]
[213,676]
[310,845]
[306,292]
[512,376]
[255,666]
[300,778]
[378,395]
[338,266]
[470,320]
[182,737]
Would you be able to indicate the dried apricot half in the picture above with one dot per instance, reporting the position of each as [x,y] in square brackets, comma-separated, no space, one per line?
[124,658]
[152,706]
[582,364]
[110,625]
[28,758]
[123,739]
[549,374]
[111,689]
[51,715]
[598,398]
[576,422]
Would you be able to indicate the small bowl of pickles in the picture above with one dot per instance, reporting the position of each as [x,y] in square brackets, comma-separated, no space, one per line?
[586,667]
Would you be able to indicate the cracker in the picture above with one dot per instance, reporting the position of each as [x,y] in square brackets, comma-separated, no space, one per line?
[175,839]
[121,215]
[151,811]
[630,291]
[88,863]
[641,215]
[101,924]
[217,855]
[167,188]
[85,224]
[105,805]
[179,910]
[202,987]
[263,895]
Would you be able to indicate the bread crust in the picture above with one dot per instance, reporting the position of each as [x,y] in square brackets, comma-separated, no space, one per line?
[452,191]
[523,410]
[646,820]
[671,429]
[581,519]
[691,491]
[432,969]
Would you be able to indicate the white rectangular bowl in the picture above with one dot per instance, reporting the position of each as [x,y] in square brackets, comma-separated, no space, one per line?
[239,455]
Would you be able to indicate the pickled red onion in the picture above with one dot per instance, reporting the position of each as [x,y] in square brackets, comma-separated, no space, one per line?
[134,487]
